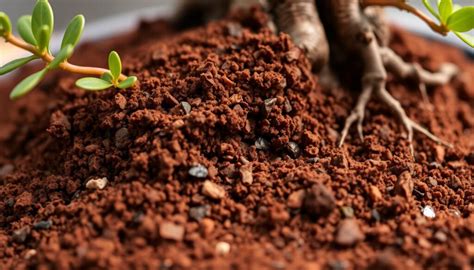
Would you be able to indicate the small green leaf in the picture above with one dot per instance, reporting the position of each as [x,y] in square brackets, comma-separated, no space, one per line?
[27,84]
[456,7]
[73,31]
[128,82]
[16,64]
[430,8]
[42,16]
[445,8]
[115,65]
[62,56]
[107,76]
[24,29]
[93,84]
[5,24]
[469,40]
[461,20]
[43,40]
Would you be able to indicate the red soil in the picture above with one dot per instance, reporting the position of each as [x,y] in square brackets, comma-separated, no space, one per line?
[272,185]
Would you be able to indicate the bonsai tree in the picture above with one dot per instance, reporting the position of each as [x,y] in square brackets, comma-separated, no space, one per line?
[355,29]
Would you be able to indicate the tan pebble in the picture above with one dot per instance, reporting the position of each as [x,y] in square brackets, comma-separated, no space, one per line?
[375,193]
[30,254]
[97,183]
[178,123]
[207,226]
[295,200]
[171,231]
[424,243]
[213,190]
[470,250]
[440,153]
[222,248]
[404,186]
[349,233]
[246,173]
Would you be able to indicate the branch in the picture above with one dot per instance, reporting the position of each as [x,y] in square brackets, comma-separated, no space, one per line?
[401,4]
[48,58]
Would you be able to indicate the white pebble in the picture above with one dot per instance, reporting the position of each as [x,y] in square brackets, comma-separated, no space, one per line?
[97,183]
[222,248]
[428,212]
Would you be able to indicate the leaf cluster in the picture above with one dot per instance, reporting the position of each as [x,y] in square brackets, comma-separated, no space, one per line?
[454,18]
[36,30]
[108,79]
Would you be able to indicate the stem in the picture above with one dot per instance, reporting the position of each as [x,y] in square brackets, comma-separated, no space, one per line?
[47,57]
[401,4]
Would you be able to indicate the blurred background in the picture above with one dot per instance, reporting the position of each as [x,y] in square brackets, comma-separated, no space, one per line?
[115,16]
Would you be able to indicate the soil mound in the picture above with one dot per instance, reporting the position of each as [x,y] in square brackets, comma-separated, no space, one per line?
[224,157]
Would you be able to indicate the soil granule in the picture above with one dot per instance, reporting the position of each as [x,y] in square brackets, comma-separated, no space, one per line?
[224,157]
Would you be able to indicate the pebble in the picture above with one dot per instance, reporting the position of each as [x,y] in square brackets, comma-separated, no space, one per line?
[198,171]
[171,231]
[207,226]
[348,233]
[262,144]
[212,190]
[178,123]
[440,236]
[121,137]
[432,181]
[428,212]
[404,186]
[97,183]
[199,212]
[30,254]
[186,107]
[376,215]
[43,225]
[288,107]
[6,169]
[295,200]
[246,173]
[375,194]
[319,201]
[20,235]
[440,153]
[294,149]
[234,29]
[347,211]
[222,248]
[121,101]
[269,103]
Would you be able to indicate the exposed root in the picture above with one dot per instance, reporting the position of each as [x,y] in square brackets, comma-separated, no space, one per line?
[397,65]
[357,114]
[374,82]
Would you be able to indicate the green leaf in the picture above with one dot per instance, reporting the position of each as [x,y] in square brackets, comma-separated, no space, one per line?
[24,29]
[93,84]
[73,31]
[445,8]
[62,56]
[128,82]
[42,16]
[461,20]
[27,84]
[469,40]
[428,6]
[115,65]
[5,24]
[16,64]
[107,76]
[43,40]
